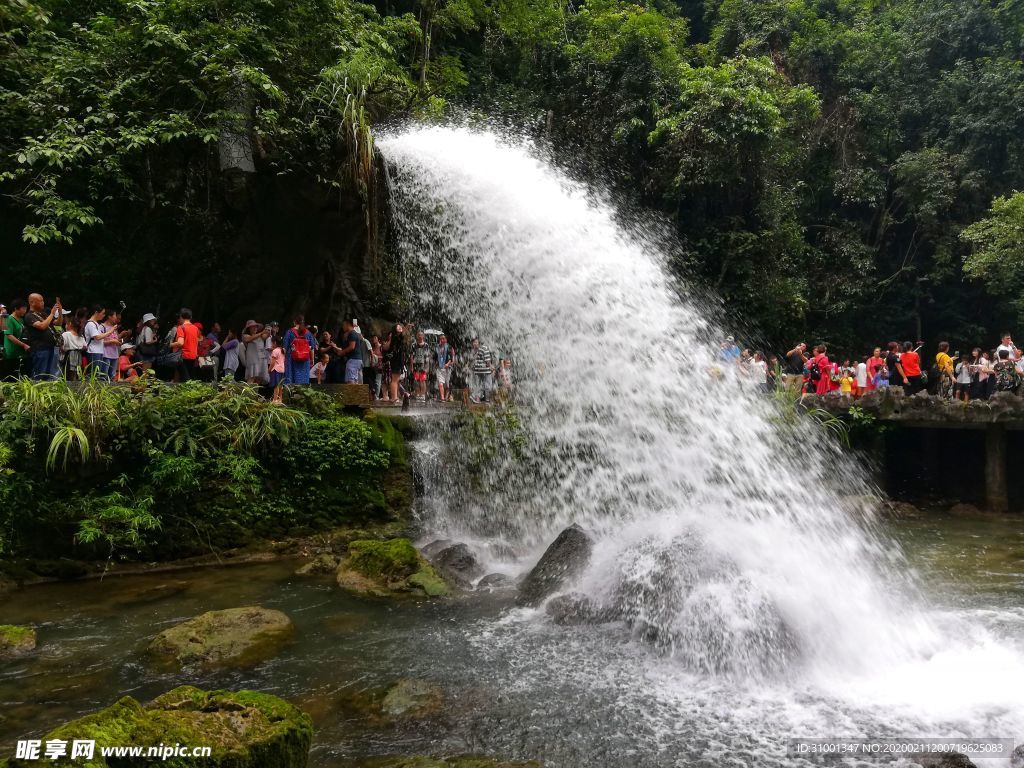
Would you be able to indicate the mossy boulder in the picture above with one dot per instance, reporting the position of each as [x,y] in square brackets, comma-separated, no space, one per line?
[387,568]
[421,761]
[244,729]
[235,637]
[16,641]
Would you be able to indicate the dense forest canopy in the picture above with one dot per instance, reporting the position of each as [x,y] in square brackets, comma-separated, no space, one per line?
[848,170]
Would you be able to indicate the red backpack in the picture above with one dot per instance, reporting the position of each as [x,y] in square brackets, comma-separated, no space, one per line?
[300,349]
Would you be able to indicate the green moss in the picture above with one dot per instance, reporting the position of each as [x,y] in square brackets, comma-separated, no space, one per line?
[389,434]
[245,729]
[385,568]
[233,637]
[427,579]
[15,640]
[388,561]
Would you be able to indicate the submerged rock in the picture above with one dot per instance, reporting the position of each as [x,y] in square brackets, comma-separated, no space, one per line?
[387,568]
[16,641]
[494,581]
[458,564]
[693,602]
[563,561]
[233,637]
[320,565]
[244,729]
[411,698]
[575,608]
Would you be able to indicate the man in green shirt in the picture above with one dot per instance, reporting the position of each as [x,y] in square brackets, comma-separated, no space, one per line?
[15,349]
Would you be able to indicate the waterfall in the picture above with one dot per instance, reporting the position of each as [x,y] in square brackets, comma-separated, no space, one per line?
[739,543]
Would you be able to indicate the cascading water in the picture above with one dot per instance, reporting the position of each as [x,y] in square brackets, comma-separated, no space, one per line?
[725,534]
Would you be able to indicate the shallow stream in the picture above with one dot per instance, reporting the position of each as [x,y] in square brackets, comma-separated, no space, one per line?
[514,685]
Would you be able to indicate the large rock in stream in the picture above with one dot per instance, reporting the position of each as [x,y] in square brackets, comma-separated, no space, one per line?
[244,729]
[16,641]
[389,568]
[458,565]
[233,637]
[563,561]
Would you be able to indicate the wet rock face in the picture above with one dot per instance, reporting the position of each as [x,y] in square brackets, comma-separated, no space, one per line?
[493,581]
[16,641]
[458,564]
[573,609]
[233,637]
[562,562]
[244,729]
[388,568]
[696,605]
[431,550]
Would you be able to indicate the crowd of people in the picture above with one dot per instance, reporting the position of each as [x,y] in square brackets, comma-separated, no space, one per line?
[47,342]
[973,375]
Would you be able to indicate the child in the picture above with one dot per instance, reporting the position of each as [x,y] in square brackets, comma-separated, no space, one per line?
[962,387]
[881,378]
[846,384]
[319,370]
[276,368]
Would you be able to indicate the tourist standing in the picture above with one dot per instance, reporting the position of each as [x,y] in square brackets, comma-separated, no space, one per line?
[861,377]
[444,361]
[16,349]
[964,384]
[796,360]
[73,347]
[351,353]
[481,363]
[1007,345]
[276,368]
[394,349]
[254,337]
[897,378]
[96,333]
[420,364]
[300,347]
[910,361]
[819,372]
[187,340]
[39,333]
[1005,372]
[945,371]
[875,364]
[147,342]
[729,351]
[231,361]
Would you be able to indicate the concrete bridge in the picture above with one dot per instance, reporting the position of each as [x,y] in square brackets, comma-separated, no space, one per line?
[998,421]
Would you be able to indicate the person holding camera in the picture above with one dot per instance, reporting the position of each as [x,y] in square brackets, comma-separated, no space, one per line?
[40,334]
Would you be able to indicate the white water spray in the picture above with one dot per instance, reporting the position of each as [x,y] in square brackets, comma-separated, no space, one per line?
[721,535]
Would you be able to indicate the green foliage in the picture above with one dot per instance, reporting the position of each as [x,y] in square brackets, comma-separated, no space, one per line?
[819,159]
[93,469]
[998,257]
